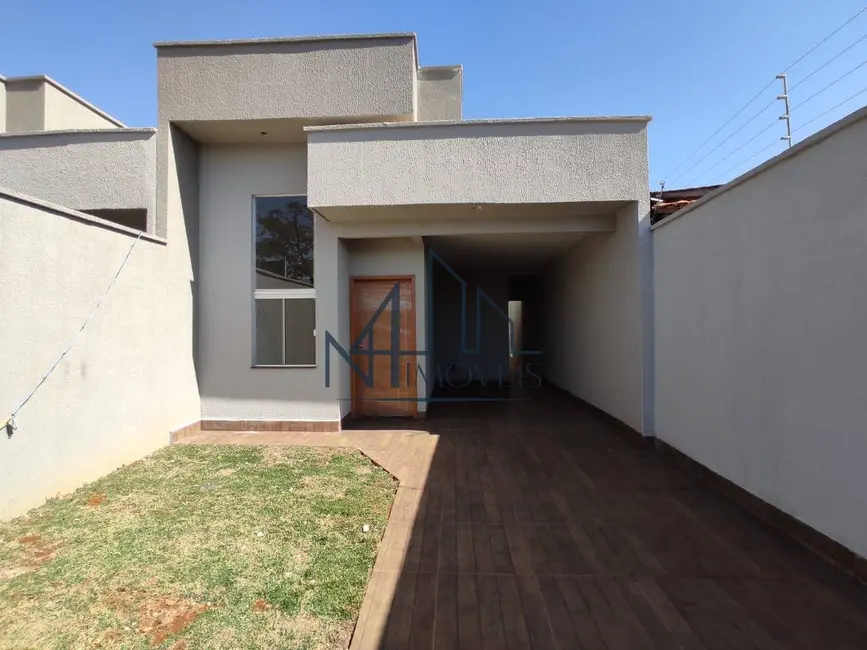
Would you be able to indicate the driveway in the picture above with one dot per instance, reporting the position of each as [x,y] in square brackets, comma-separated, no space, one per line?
[538,524]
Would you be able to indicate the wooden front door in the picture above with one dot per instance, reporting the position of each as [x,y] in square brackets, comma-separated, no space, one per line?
[384,384]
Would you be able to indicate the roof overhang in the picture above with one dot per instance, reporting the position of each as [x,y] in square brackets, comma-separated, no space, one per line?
[554,168]
[248,86]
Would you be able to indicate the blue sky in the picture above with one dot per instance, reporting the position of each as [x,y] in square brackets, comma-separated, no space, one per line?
[689,64]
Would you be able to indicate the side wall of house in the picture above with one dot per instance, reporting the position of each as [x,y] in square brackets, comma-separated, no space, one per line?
[84,170]
[25,105]
[594,341]
[63,111]
[761,315]
[128,379]
[231,389]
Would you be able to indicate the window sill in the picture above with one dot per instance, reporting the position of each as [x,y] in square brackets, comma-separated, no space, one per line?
[258,367]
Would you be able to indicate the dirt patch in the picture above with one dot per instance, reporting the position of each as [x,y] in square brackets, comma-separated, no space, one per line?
[163,618]
[95,499]
[180,644]
[261,605]
[36,551]
[226,471]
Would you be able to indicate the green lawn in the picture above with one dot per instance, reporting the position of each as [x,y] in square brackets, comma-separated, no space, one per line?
[211,547]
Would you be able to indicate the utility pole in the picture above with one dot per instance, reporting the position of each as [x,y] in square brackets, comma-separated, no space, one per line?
[785,98]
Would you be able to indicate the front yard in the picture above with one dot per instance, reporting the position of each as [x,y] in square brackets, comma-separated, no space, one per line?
[211,547]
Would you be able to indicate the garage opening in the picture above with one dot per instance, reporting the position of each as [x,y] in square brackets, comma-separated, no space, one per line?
[487,310]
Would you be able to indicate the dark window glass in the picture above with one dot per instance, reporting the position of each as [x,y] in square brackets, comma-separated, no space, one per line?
[269,332]
[285,332]
[284,243]
[300,320]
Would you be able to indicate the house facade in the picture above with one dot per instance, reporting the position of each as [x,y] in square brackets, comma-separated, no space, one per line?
[311,232]
[317,175]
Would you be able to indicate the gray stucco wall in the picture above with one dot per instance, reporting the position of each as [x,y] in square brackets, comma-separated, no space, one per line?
[25,105]
[595,322]
[761,314]
[39,103]
[440,93]
[128,380]
[230,388]
[83,170]
[478,162]
[66,111]
[287,79]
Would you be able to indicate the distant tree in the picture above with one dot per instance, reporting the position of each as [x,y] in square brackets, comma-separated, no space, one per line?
[284,241]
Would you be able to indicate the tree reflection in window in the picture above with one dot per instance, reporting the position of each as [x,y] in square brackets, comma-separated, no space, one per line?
[284,242]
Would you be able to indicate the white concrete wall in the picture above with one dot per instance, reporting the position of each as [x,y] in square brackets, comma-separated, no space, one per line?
[288,78]
[595,327]
[39,103]
[231,389]
[761,316]
[25,105]
[398,256]
[83,170]
[66,111]
[532,161]
[440,93]
[128,380]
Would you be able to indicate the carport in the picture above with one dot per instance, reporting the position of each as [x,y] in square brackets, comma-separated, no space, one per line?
[546,214]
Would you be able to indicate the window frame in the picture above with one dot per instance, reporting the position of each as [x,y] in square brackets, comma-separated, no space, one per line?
[278,294]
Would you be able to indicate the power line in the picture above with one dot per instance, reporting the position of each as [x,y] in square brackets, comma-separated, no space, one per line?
[837,80]
[823,41]
[731,135]
[834,107]
[828,62]
[736,149]
[804,125]
[727,138]
[758,94]
[750,157]
[729,121]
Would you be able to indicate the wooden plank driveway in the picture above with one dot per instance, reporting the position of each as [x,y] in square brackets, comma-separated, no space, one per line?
[536,524]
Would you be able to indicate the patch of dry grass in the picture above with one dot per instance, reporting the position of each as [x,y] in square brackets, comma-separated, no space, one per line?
[205,547]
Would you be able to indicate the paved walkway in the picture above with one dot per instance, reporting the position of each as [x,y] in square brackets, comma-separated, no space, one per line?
[535,524]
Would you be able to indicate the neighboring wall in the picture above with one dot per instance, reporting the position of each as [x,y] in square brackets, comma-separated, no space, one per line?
[231,389]
[84,170]
[761,316]
[404,256]
[594,341]
[440,93]
[40,103]
[66,110]
[129,378]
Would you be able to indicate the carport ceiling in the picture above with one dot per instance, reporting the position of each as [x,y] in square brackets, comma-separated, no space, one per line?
[522,250]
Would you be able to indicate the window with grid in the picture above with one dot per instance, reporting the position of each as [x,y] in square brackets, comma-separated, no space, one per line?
[283,293]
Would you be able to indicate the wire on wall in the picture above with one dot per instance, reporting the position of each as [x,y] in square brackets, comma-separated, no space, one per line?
[10,425]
